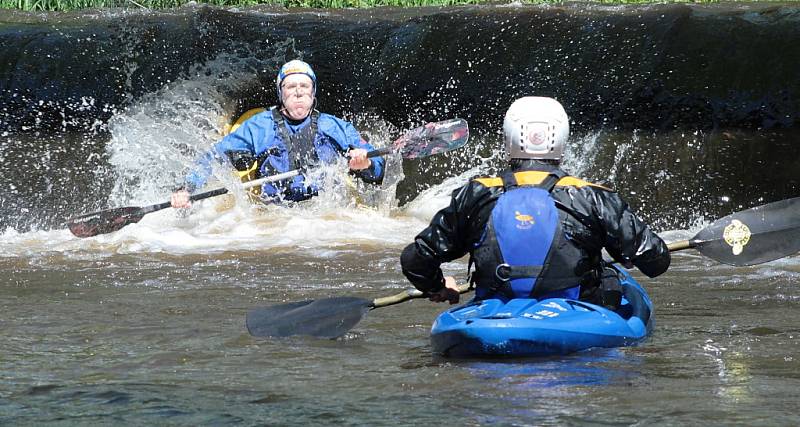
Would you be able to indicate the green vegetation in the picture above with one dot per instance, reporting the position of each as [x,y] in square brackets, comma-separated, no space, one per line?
[64,5]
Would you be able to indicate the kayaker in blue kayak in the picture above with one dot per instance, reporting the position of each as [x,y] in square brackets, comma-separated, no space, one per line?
[291,135]
[534,231]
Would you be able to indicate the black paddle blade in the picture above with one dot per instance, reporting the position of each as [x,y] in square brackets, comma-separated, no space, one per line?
[324,318]
[753,236]
[433,138]
[104,221]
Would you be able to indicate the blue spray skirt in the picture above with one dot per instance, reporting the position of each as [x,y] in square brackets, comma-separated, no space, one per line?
[526,327]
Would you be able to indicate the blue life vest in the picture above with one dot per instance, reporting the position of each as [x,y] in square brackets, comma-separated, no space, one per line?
[275,145]
[302,153]
[524,252]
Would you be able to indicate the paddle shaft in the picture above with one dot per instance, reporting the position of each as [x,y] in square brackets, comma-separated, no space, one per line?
[250,184]
[762,234]
[293,173]
[409,294]
[681,245]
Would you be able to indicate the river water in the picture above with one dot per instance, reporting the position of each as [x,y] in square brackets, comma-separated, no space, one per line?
[146,326]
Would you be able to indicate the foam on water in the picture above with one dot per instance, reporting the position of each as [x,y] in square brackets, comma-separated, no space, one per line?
[157,139]
[215,226]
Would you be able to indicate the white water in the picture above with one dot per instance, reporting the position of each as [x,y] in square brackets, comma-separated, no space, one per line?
[157,139]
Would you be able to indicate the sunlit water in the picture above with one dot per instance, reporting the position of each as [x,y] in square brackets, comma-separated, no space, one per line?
[146,325]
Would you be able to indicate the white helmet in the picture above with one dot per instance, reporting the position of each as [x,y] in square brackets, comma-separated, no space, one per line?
[536,128]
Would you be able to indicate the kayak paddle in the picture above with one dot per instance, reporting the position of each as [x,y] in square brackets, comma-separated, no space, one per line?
[749,237]
[323,318]
[753,236]
[426,140]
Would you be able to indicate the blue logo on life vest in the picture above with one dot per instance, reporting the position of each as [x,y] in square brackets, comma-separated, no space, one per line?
[525,220]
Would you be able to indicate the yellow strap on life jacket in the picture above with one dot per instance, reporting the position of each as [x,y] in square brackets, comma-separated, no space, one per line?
[243,118]
[536,177]
[251,173]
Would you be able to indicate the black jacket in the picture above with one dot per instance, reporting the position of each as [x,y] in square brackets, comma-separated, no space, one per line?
[595,218]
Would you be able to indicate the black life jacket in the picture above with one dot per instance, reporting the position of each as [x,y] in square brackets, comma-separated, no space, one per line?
[524,252]
[300,146]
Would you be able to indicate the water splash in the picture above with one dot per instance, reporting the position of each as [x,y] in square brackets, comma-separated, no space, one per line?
[158,138]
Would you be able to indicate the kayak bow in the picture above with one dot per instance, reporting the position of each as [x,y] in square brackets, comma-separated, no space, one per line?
[526,327]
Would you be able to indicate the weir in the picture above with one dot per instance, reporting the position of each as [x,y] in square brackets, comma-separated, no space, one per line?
[682,108]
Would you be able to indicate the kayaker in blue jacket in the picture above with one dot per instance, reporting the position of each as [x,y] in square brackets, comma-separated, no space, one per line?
[534,231]
[291,135]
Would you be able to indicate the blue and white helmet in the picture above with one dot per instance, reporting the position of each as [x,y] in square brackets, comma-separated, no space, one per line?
[294,66]
[536,128]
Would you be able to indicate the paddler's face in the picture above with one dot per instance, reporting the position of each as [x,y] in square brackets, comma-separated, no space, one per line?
[297,93]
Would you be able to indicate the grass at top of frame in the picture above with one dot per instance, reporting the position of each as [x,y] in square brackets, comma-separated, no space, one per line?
[67,5]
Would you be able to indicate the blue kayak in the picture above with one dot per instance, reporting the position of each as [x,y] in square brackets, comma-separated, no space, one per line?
[526,327]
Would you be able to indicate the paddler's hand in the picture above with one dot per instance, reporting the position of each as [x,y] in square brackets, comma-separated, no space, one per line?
[180,199]
[358,159]
[449,293]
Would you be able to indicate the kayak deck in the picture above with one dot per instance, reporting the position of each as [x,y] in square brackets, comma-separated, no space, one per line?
[528,327]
